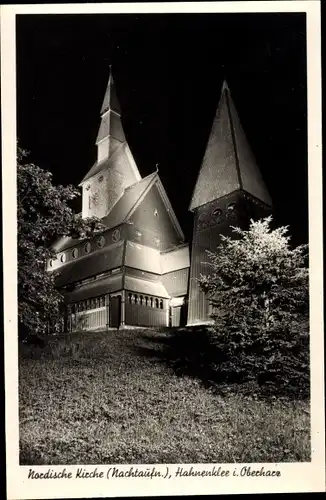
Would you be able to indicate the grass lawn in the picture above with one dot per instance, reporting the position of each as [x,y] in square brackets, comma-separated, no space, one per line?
[130,397]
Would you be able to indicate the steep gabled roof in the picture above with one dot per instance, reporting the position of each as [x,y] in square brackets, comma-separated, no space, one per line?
[228,163]
[133,196]
[128,201]
[169,208]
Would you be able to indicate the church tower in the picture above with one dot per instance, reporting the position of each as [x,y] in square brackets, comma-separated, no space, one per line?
[229,192]
[115,168]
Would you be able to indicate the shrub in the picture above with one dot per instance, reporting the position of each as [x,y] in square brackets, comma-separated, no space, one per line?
[258,289]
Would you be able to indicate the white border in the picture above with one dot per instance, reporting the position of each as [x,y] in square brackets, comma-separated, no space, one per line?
[298,477]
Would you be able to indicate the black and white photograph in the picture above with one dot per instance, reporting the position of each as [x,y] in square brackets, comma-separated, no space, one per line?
[164,285]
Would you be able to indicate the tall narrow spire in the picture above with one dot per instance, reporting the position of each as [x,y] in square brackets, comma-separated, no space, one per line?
[110,100]
[111,126]
[115,168]
[228,164]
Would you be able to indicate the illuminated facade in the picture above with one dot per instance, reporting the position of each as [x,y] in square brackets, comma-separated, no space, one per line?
[135,273]
[138,271]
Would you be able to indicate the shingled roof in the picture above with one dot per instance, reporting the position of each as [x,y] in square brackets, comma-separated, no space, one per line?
[228,163]
[120,211]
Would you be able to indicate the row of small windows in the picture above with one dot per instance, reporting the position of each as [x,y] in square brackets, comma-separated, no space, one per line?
[100,242]
[97,302]
[144,300]
[217,213]
[86,305]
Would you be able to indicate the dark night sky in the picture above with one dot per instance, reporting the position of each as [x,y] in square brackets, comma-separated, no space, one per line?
[168,71]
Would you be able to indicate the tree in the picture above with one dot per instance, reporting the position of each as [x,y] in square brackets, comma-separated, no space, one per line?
[258,290]
[43,214]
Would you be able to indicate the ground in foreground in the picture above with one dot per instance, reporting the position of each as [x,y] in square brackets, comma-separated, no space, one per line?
[116,397]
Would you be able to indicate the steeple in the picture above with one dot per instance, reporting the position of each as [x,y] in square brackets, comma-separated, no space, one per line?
[115,168]
[228,164]
[110,100]
[110,135]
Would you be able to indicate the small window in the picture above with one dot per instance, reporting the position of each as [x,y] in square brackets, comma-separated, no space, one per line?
[232,207]
[136,299]
[129,298]
[151,301]
[63,257]
[101,242]
[116,235]
[74,253]
[161,304]
[102,301]
[141,300]
[217,214]
[156,303]
[51,263]
[155,212]
[87,247]
[146,301]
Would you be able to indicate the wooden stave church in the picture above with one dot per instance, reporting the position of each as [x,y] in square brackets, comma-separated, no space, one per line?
[138,272]
[135,273]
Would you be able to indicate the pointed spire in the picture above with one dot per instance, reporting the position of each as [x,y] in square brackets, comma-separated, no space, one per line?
[111,126]
[225,87]
[112,148]
[110,101]
[228,164]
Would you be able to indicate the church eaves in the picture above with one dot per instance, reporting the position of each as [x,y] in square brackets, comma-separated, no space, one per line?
[228,164]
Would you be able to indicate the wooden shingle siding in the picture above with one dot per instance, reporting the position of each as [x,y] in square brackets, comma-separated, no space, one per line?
[140,315]
[88,320]
[176,282]
[152,216]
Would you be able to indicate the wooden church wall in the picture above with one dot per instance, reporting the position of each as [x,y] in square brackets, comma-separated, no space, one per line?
[211,220]
[153,221]
[143,310]
[176,282]
[235,209]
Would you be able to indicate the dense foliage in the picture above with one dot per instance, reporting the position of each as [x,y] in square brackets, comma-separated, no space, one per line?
[258,290]
[43,214]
